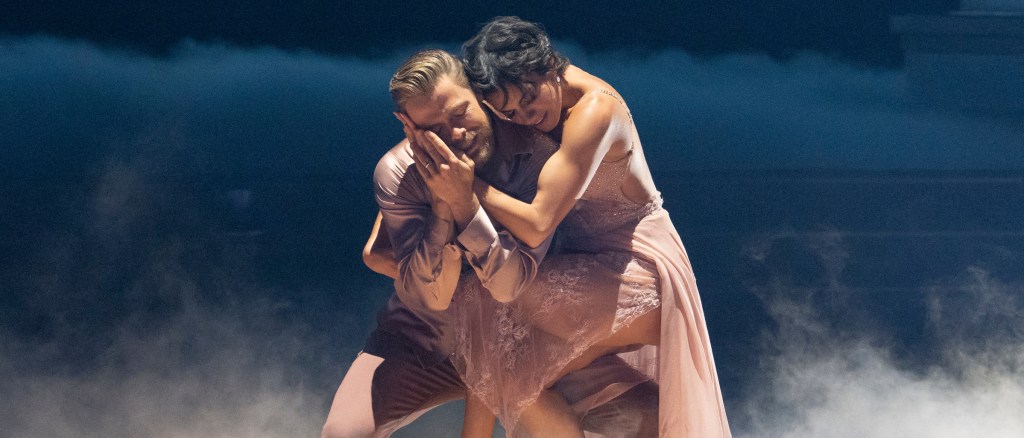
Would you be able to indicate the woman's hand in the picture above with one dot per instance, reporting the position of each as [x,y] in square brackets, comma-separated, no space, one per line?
[478,421]
[377,253]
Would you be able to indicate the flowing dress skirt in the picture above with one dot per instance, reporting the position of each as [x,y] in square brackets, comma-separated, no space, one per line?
[508,352]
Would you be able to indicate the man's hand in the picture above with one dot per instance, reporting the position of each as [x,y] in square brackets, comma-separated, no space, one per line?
[448,176]
[441,209]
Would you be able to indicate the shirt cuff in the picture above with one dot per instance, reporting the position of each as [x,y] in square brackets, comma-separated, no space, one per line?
[479,234]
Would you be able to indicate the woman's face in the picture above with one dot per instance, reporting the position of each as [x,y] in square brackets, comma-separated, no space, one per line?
[537,103]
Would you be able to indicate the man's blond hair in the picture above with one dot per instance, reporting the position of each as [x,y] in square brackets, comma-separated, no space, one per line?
[420,74]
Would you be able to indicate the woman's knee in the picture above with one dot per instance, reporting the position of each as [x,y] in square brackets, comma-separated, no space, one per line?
[644,330]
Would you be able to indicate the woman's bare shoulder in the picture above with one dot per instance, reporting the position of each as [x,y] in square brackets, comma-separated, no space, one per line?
[592,112]
[599,107]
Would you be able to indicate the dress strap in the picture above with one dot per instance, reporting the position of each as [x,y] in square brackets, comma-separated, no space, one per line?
[632,145]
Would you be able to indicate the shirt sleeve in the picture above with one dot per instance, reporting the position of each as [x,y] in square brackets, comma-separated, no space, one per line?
[429,261]
[504,265]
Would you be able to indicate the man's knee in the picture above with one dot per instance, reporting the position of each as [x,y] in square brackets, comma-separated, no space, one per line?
[346,428]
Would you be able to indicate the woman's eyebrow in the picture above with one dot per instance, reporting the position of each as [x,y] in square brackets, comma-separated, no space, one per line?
[524,89]
[504,97]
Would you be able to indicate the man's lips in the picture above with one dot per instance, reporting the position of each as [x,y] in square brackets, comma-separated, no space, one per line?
[471,148]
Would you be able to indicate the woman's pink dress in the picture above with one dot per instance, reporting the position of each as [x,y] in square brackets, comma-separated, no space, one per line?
[618,260]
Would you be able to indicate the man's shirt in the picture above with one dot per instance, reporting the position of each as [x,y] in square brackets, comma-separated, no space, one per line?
[429,251]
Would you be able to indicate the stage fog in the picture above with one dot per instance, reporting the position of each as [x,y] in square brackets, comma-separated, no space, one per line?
[181,238]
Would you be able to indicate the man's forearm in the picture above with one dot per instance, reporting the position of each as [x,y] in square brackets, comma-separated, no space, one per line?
[421,232]
[429,266]
[463,212]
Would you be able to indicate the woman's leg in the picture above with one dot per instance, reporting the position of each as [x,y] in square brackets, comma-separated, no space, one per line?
[645,329]
[551,416]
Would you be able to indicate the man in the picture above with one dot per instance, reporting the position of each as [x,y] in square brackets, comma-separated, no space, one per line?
[433,225]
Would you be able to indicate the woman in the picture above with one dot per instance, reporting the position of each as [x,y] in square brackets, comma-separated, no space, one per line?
[625,278]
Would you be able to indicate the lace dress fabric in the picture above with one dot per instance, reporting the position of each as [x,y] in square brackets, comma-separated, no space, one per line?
[619,259]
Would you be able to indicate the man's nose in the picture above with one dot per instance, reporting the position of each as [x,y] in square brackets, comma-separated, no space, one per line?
[458,135]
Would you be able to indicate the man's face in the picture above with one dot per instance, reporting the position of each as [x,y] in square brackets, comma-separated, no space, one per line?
[453,113]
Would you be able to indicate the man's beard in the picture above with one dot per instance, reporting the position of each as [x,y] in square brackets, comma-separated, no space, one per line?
[484,154]
[485,146]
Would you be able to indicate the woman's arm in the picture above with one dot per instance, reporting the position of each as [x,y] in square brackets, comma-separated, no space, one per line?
[478,421]
[377,253]
[597,122]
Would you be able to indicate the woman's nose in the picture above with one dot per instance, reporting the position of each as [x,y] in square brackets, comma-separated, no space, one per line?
[523,116]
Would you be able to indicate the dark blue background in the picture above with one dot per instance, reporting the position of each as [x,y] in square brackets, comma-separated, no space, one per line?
[185,191]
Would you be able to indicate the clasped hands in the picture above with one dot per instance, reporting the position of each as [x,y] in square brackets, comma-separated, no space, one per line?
[449,176]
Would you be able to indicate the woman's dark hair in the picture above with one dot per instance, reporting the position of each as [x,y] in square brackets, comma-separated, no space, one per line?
[505,50]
